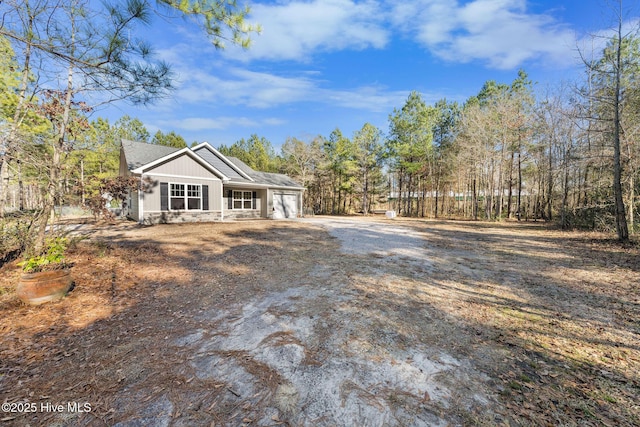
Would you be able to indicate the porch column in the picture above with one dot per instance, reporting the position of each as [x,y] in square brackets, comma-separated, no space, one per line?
[221,202]
[141,200]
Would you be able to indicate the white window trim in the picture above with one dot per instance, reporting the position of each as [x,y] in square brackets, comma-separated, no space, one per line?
[242,200]
[186,197]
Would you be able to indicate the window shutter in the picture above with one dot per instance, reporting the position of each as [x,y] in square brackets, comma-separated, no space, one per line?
[205,197]
[230,199]
[253,203]
[164,196]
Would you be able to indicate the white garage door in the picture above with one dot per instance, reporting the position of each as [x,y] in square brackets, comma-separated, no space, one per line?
[284,206]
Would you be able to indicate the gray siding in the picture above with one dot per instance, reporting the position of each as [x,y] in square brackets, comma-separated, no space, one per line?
[124,169]
[133,208]
[270,194]
[182,166]
[259,212]
[264,204]
[152,198]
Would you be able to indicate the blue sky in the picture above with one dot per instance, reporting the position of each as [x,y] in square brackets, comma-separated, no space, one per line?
[322,64]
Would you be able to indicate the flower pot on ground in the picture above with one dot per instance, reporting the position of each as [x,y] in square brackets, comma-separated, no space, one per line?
[47,276]
[44,286]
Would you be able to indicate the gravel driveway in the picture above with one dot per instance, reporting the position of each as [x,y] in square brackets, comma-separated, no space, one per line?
[330,322]
[339,361]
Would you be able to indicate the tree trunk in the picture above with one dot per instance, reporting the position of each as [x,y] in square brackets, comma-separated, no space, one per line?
[409,196]
[549,215]
[510,191]
[20,187]
[82,180]
[621,217]
[499,203]
[339,192]
[489,198]
[435,210]
[565,193]
[631,203]
[4,181]
[53,187]
[6,158]
[365,194]
[475,201]
[399,199]
[519,206]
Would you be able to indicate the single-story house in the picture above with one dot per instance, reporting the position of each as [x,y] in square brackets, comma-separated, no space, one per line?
[201,184]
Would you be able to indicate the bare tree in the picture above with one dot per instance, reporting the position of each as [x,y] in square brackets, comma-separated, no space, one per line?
[611,72]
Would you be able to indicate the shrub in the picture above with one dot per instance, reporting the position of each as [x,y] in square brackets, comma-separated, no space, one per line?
[14,236]
[53,258]
[596,218]
[109,190]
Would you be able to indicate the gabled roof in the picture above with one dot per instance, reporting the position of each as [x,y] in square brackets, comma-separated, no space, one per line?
[220,162]
[141,156]
[140,153]
[145,156]
[268,178]
[242,165]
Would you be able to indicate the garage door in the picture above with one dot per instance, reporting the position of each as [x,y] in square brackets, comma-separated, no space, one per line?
[284,206]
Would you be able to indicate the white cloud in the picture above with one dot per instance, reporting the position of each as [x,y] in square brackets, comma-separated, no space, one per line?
[273,121]
[241,87]
[201,123]
[501,33]
[219,123]
[295,30]
[211,85]
[367,98]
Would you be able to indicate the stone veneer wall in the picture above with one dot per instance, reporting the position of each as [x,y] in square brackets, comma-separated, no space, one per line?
[168,217]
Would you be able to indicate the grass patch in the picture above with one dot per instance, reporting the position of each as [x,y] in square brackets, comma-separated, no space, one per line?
[514,385]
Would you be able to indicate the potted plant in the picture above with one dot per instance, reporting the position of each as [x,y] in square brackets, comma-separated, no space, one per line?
[46,276]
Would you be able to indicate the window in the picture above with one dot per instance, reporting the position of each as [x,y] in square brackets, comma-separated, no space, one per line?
[177,197]
[243,200]
[187,197]
[193,196]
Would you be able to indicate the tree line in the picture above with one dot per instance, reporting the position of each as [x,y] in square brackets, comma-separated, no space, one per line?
[505,153]
[512,151]
[567,154]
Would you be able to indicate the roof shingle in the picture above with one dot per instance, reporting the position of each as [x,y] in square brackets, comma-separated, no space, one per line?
[273,179]
[140,153]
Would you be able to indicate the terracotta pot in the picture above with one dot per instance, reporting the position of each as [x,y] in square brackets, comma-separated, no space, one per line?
[44,286]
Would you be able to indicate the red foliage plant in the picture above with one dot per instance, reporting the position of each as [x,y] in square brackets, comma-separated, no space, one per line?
[117,188]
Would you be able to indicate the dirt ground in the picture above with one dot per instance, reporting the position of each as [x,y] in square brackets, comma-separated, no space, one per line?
[329,322]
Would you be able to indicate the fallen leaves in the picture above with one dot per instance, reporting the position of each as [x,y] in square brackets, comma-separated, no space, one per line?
[541,313]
